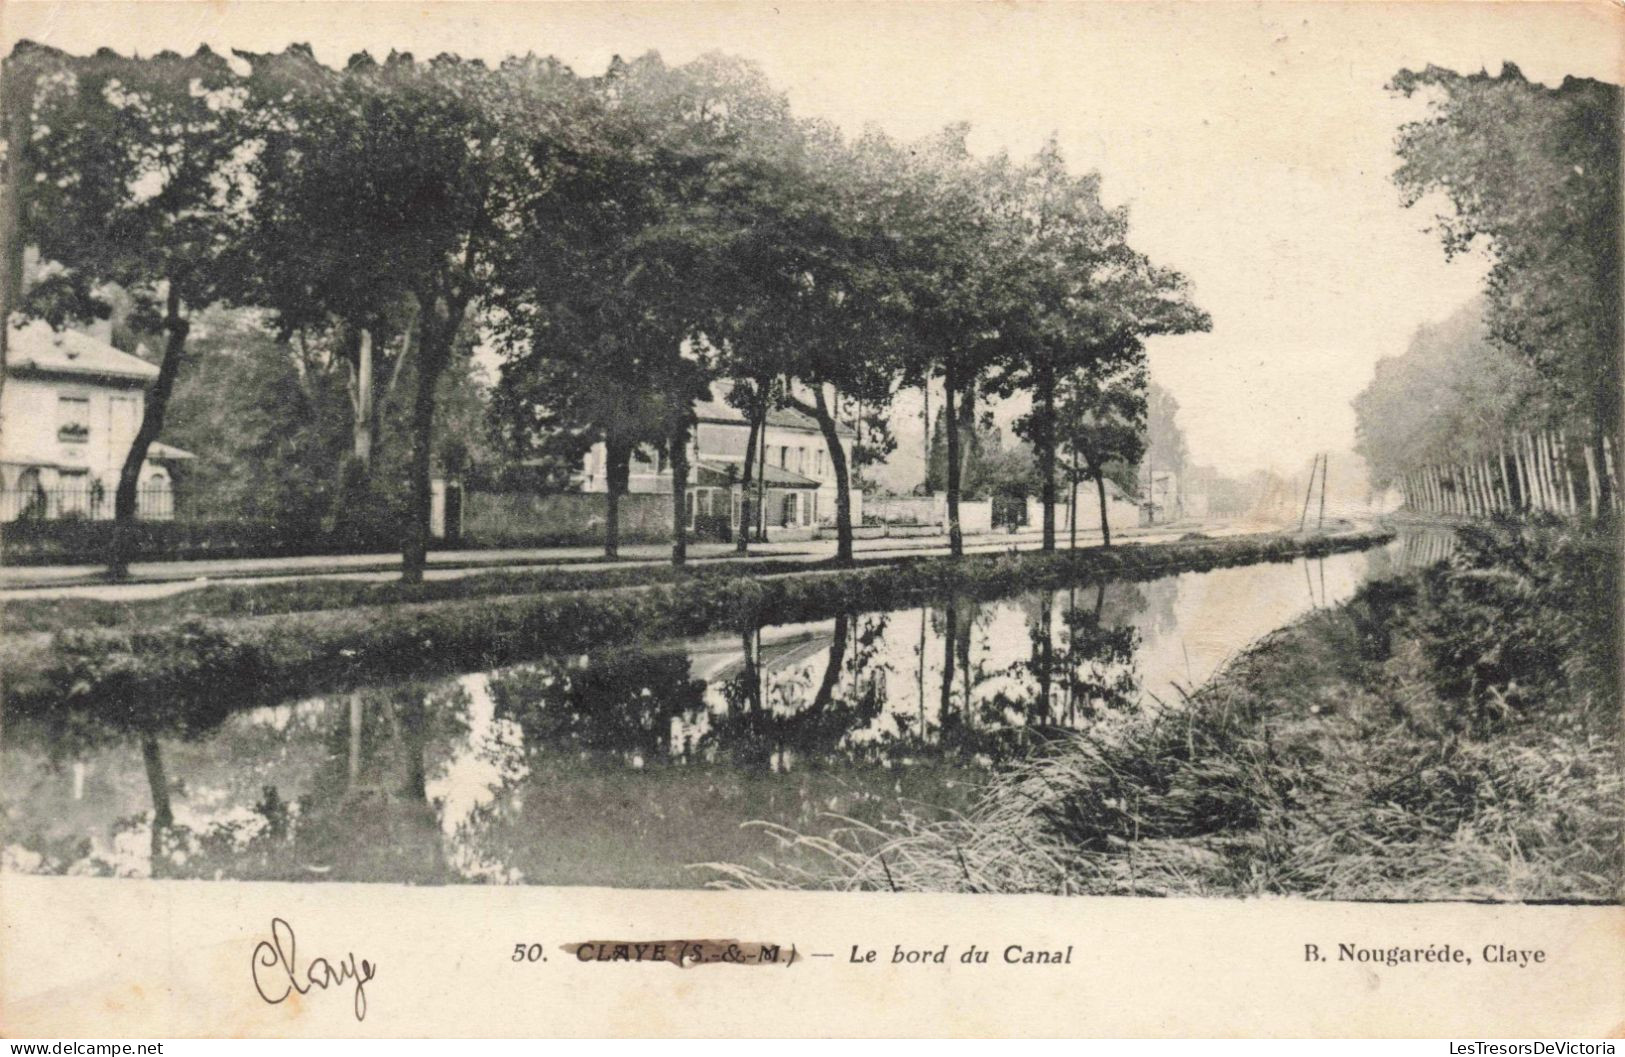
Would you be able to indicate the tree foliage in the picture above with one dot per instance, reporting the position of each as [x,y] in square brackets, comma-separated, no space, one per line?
[625,242]
[1532,175]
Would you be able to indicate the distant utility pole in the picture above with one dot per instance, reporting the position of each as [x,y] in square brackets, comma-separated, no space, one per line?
[1303,520]
[1321,524]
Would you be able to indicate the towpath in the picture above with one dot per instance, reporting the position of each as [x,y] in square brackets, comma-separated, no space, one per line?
[156,579]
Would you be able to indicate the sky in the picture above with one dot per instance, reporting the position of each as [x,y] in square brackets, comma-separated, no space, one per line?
[1253,143]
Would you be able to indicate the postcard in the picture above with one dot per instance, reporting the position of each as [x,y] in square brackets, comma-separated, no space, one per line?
[811,519]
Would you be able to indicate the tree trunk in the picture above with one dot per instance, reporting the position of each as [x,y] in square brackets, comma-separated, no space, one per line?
[1100,489]
[1046,657]
[162,817]
[956,539]
[1509,501]
[1565,458]
[617,473]
[945,711]
[1593,487]
[352,769]
[1560,472]
[919,688]
[925,444]
[1611,474]
[832,667]
[1597,451]
[1531,469]
[1543,470]
[1072,506]
[362,400]
[125,499]
[434,353]
[1320,518]
[758,420]
[1044,435]
[677,452]
[843,486]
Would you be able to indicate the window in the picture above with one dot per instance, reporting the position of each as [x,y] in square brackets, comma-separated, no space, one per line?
[818,462]
[73,419]
[690,508]
[784,456]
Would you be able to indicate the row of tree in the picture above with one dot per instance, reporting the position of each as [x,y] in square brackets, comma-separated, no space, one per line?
[625,241]
[1529,472]
[1513,403]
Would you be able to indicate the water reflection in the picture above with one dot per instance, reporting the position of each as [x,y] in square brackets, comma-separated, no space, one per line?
[624,766]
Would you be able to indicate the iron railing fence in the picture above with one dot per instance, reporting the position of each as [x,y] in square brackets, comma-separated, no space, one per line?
[93,501]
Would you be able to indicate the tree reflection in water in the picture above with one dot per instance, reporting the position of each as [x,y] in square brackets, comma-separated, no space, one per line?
[291,793]
[613,767]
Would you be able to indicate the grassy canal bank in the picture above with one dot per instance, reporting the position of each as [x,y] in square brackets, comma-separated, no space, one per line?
[1451,734]
[182,663]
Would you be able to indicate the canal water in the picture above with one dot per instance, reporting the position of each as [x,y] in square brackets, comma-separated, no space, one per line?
[635,767]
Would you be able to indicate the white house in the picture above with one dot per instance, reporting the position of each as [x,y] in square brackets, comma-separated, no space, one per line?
[70,410]
[793,459]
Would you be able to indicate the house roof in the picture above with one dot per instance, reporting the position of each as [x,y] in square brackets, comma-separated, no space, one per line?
[1115,491]
[717,409]
[724,473]
[167,452]
[35,346]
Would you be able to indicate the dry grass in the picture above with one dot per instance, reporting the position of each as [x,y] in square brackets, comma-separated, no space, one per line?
[1296,770]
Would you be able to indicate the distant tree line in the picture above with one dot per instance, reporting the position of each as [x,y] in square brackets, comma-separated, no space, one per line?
[1513,404]
[624,241]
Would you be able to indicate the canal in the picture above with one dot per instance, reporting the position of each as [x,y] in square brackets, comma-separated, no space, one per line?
[637,766]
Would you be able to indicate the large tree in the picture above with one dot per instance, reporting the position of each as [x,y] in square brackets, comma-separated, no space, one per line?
[308,260]
[1533,175]
[948,254]
[402,178]
[1455,393]
[137,183]
[1090,301]
[631,262]
[1100,422]
[823,290]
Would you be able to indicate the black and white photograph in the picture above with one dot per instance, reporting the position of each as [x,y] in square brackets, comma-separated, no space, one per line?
[1158,451]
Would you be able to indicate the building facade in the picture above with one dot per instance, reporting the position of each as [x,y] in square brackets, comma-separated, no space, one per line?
[70,410]
[793,460]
